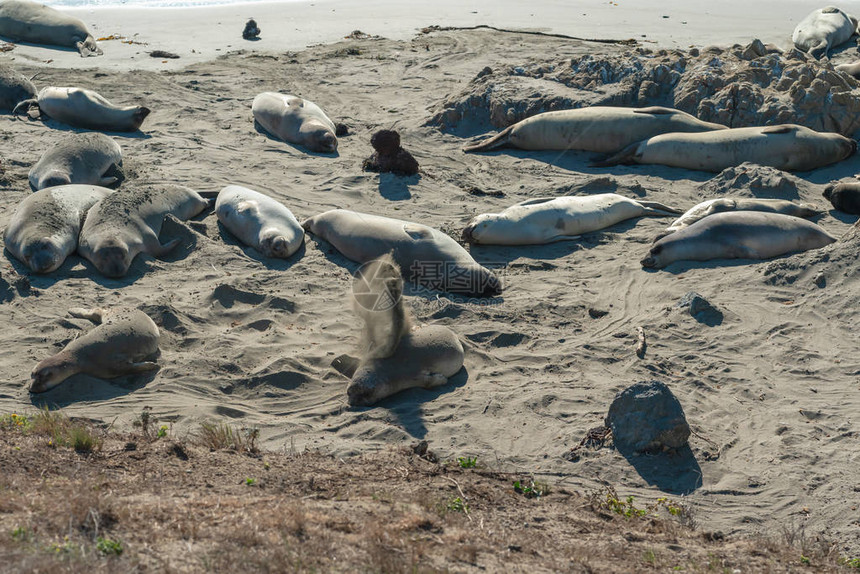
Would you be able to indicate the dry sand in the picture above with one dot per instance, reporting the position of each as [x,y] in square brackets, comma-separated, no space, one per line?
[772,390]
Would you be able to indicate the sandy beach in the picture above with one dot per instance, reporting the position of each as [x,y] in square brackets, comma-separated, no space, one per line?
[771,390]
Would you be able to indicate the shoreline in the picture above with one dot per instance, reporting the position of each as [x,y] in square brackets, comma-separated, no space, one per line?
[208,32]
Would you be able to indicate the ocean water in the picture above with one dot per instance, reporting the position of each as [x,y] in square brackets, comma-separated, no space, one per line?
[146,3]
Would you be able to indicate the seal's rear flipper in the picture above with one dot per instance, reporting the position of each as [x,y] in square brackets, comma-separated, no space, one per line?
[88,47]
[25,106]
[499,140]
[626,156]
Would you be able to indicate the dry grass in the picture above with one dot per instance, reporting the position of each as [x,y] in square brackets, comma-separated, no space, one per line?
[166,506]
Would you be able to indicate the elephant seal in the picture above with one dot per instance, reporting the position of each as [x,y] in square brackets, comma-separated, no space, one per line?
[786,147]
[79,158]
[545,220]
[428,256]
[128,222]
[295,120]
[44,229]
[844,196]
[118,346]
[602,129]
[852,69]
[738,235]
[14,88]
[86,109]
[724,204]
[26,21]
[396,357]
[822,30]
[259,221]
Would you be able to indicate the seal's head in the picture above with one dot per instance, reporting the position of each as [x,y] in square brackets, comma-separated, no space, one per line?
[52,179]
[480,228]
[112,258]
[52,371]
[318,137]
[366,387]
[43,255]
[653,259]
[138,117]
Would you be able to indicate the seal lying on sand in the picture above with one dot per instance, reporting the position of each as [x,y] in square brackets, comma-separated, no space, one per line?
[844,196]
[724,204]
[738,235]
[295,120]
[128,222]
[822,30]
[45,226]
[602,129]
[545,220]
[14,88]
[118,346]
[79,158]
[786,147]
[428,257]
[396,358]
[259,221]
[83,108]
[25,21]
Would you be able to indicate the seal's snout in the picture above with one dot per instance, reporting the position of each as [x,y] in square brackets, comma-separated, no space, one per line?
[140,115]
[853,147]
[358,395]
[42,257]
[328,142]
[828,191]
[39,380]
[649,262]
[112,261]
[468,231]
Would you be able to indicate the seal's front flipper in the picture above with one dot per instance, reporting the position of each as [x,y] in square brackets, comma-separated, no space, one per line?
[113,176]
[820,50]
[25,106]
[431,380]
[95,315]
[141,367]
[164,249]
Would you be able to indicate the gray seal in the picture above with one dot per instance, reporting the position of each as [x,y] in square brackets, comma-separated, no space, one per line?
[128,222]
[395,356]
[822,30]
[25,21]
[118,346]
[603,129]
[786,147]
[87,158]
[295,120]
[44,229]
[724,204]
[14,88]
[425,256]
[738,235]
[84,108]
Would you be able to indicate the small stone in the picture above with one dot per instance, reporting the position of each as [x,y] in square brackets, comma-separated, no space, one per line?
[700,309]
[597,313]
[163,54]
[647,417]
[753,50]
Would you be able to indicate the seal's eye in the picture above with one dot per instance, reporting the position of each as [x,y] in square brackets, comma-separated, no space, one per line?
[656,250]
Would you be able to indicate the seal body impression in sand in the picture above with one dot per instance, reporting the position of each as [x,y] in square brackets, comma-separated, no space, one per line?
[118,346]
[786,147]
[44,229]
[738,235]
[396,357]
[295,120]
[79,158]
[87,109]
[724,204]
[844,196]
[259,221]
[822,30]
[26,21]
[128,222]
[539,221]
[427,256]
[389,156]
[602,129]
